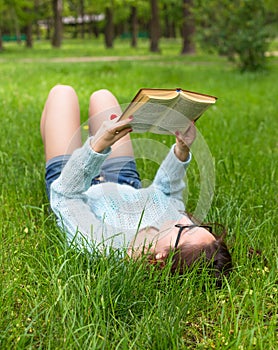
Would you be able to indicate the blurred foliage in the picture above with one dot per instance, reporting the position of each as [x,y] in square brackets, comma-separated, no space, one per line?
[237,29]
[240,30]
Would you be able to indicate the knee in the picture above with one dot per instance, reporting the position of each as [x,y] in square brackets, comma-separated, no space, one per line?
[101,94]
[62,90]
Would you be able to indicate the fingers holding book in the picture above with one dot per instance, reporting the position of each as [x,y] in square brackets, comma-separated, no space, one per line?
[110,132]
[184,142]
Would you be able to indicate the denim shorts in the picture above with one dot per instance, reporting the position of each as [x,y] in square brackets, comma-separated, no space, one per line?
[121,170]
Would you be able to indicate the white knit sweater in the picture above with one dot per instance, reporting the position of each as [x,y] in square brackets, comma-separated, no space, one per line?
[110,214]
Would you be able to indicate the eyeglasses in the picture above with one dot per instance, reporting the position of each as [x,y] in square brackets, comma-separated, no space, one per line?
[182,227]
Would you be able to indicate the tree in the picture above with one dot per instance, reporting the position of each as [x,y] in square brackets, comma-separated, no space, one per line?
[178,15]
[138,16]
[154,26]
[236,29]
[188,28]
[57,6]
[28,32]
[134,25]
[79,9]
[17,16]
[26,15]
[82,14]
[169,18]
[109,27]
[2,11]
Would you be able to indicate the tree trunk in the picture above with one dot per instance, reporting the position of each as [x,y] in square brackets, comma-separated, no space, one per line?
[134,26]
[58,25]
[37,27]
[29,39]
[82,14]
[188,28]
[109,28]
[48,28]
[154,26]
[95,30]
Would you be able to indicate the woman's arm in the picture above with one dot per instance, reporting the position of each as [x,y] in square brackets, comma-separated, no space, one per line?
[170,175]
[68,198]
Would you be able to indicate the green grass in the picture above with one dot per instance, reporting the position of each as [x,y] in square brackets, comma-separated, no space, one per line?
[53,297]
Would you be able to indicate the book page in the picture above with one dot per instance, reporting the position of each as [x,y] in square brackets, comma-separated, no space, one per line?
[148,116]
[142,99]
[160,94]
[166,117]
[191,110]
[198,97]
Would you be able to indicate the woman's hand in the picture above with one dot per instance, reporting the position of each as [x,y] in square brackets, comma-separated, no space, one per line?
[184,142]
[110,132]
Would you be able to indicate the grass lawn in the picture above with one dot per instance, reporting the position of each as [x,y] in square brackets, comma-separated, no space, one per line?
[53,297]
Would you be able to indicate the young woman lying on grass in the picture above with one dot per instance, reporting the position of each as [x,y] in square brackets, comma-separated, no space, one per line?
[95,190]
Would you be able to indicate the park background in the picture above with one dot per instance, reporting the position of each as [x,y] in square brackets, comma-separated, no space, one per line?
[57,298]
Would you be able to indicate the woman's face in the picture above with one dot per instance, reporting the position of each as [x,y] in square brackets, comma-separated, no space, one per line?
[159,241]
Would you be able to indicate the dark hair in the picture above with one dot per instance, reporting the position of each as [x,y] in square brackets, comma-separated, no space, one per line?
[215,256]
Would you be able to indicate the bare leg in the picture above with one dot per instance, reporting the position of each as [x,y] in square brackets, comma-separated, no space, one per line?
[102,105]
[60,122]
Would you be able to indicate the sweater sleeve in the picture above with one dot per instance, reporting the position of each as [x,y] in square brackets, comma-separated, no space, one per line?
[170,176]
[69,202]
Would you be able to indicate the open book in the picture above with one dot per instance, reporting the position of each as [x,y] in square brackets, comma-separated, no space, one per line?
[165,111]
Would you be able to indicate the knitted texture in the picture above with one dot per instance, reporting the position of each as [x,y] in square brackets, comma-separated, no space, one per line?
[110,214]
